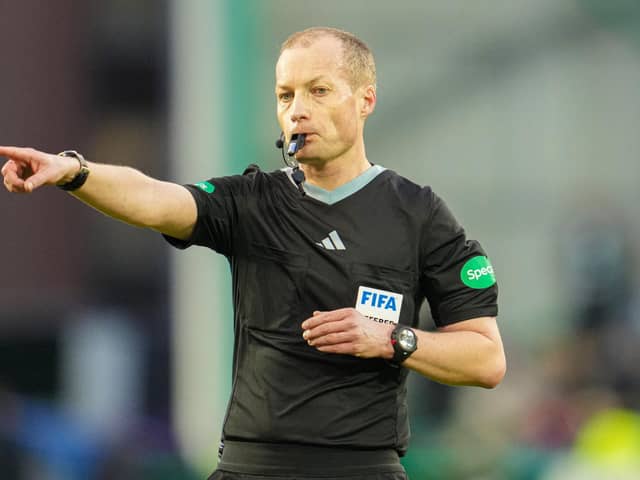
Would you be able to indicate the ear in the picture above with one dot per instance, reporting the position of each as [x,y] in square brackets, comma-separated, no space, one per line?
[368,101]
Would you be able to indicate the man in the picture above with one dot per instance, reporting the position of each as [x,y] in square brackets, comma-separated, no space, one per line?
[329,273]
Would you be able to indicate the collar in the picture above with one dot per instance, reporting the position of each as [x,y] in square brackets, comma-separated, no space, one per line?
[343,191]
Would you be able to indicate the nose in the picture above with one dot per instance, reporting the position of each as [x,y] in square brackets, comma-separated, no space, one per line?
[299,109]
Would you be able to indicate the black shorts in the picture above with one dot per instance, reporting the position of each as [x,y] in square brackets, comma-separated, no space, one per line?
[269,461]
[221,475]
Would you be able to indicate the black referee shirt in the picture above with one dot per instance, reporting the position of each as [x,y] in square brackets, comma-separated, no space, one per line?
[383,249]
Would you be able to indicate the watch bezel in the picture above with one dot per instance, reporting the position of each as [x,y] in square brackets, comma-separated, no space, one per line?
[407,344]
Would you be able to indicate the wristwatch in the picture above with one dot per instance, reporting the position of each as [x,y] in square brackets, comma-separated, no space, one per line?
[404,341]
[81,177]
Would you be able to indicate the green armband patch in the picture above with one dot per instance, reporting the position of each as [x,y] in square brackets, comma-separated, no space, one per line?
[478,273]
[206,186]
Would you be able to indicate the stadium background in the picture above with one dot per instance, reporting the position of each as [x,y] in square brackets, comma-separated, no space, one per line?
[115,351]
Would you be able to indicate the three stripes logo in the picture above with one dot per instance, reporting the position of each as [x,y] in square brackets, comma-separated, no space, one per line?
[332,242]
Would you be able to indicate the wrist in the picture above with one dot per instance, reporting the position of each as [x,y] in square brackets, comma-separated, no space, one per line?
[75,178]
[71,167]
[387,347]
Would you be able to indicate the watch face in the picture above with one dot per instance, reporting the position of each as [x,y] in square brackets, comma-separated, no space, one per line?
[407,339]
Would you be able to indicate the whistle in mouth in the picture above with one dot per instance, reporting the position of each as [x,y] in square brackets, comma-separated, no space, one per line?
[296,143]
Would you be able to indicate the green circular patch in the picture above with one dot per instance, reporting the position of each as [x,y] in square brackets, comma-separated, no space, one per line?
[478,273]
[206,186]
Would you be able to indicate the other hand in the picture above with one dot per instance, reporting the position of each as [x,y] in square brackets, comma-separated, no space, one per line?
[28,169]
[348,332]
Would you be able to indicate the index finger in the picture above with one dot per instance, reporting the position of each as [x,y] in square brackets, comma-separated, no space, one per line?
[17,153]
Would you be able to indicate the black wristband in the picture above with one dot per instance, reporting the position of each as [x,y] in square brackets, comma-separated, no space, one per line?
[81,176]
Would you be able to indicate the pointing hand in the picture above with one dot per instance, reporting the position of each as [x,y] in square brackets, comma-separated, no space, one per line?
[28,169]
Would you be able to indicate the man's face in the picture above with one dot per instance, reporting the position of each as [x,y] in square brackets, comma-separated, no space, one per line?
[314,96]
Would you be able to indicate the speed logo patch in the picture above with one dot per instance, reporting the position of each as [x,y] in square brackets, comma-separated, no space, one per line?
[478,273]
[379,305]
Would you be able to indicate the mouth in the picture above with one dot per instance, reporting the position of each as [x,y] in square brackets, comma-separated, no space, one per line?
[307,137]
[297,134]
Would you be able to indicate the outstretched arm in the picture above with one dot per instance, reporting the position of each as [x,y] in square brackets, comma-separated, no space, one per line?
[464,353]
[120,192]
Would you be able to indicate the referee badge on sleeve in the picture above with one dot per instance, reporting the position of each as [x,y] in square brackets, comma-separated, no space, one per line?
[379,305]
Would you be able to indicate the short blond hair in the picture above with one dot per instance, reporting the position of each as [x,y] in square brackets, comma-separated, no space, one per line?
[356,55]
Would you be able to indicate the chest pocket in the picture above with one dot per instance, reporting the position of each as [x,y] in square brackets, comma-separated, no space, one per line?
[275,280]
[392,280]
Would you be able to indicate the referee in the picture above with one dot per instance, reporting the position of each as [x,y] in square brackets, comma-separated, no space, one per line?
[331,259]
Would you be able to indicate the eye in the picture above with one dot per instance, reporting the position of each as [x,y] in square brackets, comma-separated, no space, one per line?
[320,90]
[285,97]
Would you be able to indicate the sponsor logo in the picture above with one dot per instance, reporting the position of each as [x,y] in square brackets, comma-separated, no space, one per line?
[380,300]
[332,242]
[206,186]
[379,305]
[478,273]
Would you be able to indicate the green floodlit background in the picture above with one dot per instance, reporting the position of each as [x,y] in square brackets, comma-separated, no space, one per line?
[115,351]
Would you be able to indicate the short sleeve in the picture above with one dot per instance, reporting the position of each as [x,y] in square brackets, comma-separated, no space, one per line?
[457,277]
[220,202]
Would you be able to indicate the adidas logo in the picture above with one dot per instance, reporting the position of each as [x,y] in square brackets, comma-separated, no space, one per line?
[332,242]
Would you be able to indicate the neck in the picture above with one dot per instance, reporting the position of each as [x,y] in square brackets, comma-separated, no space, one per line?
[331,174]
